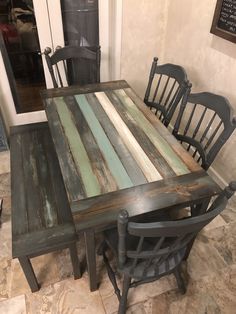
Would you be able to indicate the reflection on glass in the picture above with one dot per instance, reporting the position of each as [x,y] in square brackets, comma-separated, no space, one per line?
[19,32]
[80,22]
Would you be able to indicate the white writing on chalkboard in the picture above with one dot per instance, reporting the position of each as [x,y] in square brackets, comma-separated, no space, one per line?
[227,18]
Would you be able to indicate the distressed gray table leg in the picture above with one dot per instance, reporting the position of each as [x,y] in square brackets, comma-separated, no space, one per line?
[91,258]
[29,273]
[75,260]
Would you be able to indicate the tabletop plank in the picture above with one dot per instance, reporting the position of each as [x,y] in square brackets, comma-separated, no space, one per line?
[162,145]
[85,89]
[126,158]
[117,169]
[164,132]
[144,141]
[149,170]
[78,151]
[186,189]
[98,163]
[71,178]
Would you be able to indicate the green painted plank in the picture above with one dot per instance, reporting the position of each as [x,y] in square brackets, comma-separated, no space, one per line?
[164,148]
[117,169]
[126,158]
[79,153]
[98,163]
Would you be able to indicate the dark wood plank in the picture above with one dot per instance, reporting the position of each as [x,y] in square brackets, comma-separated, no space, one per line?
[47,205]
[156,158]
[56,180]
[73,184]
[103,210]
[30,180]
[98,162]
[85,89]
[27,127]
[19,213]
[128,161]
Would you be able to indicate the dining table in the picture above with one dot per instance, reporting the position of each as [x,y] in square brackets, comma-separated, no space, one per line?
[114,153]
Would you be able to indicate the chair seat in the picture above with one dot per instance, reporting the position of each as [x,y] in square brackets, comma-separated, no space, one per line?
[168,265]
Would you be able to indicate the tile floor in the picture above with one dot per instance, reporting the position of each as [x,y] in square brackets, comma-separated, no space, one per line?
[211,270]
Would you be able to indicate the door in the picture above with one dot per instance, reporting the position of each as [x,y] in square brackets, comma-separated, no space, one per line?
[48,16]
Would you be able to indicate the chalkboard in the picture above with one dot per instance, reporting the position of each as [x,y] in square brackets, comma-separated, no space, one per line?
[224,21]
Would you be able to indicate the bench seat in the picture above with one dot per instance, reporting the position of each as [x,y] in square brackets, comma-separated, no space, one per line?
[41,217]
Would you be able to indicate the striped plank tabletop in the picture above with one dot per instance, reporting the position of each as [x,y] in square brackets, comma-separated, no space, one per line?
[108,140]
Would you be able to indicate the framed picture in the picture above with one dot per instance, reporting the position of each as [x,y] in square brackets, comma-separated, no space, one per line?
[224,20]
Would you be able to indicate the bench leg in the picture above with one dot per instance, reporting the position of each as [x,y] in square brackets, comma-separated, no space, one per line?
[29,273]
[75,260]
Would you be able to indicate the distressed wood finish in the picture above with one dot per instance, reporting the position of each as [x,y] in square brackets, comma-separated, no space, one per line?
[101,211]
[110,143]
[130,158]
[41,216]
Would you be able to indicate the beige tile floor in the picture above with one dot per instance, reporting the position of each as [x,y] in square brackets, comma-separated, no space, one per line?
[211,271]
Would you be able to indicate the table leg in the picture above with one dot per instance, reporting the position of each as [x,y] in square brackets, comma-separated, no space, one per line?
[91,258]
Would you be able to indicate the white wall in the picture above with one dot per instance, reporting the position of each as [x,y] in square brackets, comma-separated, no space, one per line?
[143,32]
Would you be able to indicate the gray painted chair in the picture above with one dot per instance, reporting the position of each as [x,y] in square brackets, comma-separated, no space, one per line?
[166,86]
[147,251]
[78,65]
[204,124]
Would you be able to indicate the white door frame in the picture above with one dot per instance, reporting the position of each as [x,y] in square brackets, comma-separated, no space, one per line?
[50,31]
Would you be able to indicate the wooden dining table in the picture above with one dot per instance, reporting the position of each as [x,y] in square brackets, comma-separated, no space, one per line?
[115,154]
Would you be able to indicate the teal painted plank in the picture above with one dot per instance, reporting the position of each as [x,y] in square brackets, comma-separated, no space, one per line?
[116,167]
[78,151]
[163,147]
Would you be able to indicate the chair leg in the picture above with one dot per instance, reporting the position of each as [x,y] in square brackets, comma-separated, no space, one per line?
[123,301]
[111,276]
[180,281]
[75,260]
[29,273]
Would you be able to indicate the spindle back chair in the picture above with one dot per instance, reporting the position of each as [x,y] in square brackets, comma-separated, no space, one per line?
[72,65]
[204,124]
[148,251]
[166,86]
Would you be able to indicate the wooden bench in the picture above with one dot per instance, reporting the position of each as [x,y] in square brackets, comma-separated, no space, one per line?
[41,217]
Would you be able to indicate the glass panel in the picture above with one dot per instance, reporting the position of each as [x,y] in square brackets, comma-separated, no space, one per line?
[21,53]
[80,22]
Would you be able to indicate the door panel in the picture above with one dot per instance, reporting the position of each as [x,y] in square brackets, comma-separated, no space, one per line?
[21,53]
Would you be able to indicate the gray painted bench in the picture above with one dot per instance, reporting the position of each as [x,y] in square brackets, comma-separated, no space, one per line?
[41,217]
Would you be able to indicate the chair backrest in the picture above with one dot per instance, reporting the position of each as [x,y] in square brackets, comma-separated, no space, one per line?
[75,65]
[204,124]
[160,244]
[166,86]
